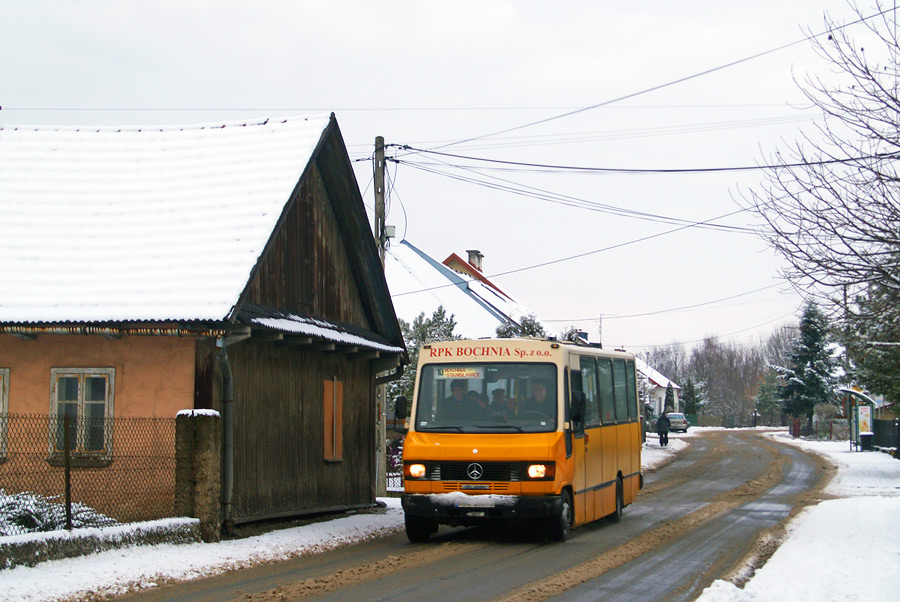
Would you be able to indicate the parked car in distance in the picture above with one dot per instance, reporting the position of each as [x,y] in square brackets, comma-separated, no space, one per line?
[678,422]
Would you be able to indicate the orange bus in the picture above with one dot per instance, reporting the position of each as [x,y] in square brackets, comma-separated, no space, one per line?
[511,430]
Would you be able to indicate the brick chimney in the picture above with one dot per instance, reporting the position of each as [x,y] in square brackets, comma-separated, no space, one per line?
[475,258]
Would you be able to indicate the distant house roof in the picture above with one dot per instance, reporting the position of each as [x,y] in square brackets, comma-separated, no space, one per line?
[458,264]
[141,223]
[420,284]
[653,376]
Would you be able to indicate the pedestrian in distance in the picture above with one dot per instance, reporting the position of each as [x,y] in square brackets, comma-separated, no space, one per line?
[662,428]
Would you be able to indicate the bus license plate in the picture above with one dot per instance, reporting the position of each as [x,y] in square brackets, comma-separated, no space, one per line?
[477,501]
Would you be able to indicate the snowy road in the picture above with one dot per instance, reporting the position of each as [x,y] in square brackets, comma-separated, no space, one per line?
[694,522]
[820,558]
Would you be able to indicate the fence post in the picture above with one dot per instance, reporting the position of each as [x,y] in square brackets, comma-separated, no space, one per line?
[198,485]
[897,437]
[67,470]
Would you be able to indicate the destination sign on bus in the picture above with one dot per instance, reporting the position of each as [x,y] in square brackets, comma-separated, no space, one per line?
[460,372]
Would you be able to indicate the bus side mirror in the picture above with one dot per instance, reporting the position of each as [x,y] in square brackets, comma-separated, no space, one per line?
[576,408]
[400,410]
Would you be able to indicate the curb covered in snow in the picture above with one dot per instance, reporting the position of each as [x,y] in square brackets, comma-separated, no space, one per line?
[31,549]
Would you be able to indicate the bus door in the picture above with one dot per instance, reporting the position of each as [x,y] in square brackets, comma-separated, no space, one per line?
[583,502]
[609,445]
[593,440]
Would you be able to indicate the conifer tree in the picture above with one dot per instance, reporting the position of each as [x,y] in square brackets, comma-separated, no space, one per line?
[439,327]
[669,404]
[689,397]
[528,326]
[809,378]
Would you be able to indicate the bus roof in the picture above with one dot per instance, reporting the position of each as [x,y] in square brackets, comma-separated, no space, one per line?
[505,349]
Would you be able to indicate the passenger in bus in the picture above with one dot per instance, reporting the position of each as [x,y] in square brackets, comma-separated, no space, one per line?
[500,403]
[540,400]
[479,402]
[458,406]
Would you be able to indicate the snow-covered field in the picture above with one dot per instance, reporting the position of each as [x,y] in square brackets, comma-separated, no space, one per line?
[843,549]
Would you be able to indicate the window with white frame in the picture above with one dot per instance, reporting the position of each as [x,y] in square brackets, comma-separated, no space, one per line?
[4,411]
[82,399]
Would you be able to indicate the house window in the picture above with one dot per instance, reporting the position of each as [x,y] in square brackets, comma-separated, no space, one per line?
[83,399]
[4,411]
[334,420]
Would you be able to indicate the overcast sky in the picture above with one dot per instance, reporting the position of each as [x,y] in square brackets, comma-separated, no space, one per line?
[463,78]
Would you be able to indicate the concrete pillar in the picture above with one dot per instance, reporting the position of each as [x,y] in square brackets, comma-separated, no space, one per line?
[198,455]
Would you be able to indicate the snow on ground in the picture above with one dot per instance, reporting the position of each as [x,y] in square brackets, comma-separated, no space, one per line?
[839,550]
[117,571]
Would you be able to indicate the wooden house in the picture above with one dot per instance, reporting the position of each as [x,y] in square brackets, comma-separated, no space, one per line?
[144,271]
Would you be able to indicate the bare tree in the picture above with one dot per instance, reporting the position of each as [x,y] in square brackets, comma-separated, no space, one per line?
[668,360]
[728,377]
[777,346]
[831,204]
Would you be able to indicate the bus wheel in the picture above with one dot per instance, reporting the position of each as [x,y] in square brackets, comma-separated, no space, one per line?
[419,529]
[561,523]
[620,502]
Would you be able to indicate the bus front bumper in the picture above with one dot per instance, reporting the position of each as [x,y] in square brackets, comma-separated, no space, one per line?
[464,509]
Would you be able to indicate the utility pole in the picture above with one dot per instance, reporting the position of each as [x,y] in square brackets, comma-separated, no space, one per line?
[380,390]
[380,237]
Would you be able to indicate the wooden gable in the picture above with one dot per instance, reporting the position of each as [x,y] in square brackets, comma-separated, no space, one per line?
[306,268]
[321,259]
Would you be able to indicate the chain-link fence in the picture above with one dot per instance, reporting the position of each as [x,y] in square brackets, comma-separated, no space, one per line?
[395,464]
[63,472]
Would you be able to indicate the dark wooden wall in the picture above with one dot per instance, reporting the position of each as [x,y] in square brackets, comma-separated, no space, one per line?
[306,268]
[279,442]
[320,262]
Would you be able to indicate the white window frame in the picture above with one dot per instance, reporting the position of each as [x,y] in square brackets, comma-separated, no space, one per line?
[78,447]
[4,411]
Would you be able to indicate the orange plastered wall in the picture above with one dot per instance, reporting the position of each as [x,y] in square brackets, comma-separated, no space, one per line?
[154,375]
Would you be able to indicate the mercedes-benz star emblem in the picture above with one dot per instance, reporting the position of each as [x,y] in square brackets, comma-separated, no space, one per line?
[475,471]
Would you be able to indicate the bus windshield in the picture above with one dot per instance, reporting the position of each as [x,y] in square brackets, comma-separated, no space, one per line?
[487,398]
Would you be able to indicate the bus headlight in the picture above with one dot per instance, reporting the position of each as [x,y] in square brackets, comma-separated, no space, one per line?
[541,471]
[415,471]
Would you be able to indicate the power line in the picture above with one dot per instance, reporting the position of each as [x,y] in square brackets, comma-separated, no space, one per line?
[616,170]
[567,200]
[664,85]
[721,336]
[579,255]
[669,310]
[531,140]
[374,109]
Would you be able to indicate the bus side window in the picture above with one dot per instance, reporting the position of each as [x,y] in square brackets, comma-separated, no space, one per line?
[589,386]
[632,393]
[607,400]
[577,423]
[621,387]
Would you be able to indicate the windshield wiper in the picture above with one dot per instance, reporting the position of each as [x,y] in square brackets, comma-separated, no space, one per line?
[499,426]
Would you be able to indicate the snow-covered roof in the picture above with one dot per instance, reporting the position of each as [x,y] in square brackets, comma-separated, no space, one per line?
[141,223]
[652,375]
[293,323]
[419,283]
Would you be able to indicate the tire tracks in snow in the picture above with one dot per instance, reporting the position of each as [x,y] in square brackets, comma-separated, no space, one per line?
[557,584]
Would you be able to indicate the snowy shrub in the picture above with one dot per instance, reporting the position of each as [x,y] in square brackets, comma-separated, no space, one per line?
[28,512]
